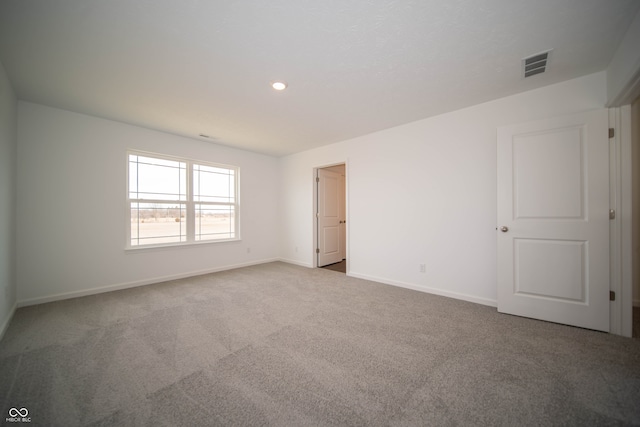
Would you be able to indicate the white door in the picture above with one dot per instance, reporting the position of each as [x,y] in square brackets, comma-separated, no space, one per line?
[553,220]
[329,217]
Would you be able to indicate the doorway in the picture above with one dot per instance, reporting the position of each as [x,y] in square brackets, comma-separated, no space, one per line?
[331,219]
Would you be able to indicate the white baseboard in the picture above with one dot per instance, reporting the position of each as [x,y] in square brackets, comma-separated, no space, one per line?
[291,261]
[116,287]
[136,283]
[429,290]
[5,322]
[421,288]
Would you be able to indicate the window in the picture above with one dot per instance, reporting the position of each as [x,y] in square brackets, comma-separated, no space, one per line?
[176,201]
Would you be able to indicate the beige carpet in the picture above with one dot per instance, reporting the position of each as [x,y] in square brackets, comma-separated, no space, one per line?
[283,345]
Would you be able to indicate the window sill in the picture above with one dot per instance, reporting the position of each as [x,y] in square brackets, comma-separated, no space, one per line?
[169,246]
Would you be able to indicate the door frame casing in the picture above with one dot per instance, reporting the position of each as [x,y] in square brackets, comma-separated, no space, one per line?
[314,174]
[620,196]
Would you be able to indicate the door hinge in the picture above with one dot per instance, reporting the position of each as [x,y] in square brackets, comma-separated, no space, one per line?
[317,179]
[612,296]
[612,133]
[612,214]
[317,250]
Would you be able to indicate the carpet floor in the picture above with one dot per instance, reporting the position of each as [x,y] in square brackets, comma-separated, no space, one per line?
[282,345]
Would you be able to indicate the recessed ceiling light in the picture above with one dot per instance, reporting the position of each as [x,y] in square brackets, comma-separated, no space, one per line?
[279,85]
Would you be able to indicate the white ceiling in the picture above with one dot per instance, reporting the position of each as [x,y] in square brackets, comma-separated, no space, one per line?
[353,67]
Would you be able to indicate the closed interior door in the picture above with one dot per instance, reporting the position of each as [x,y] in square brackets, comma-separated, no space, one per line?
[553,213]
[330,224]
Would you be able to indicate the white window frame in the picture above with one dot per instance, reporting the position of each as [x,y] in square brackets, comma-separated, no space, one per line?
[189,202]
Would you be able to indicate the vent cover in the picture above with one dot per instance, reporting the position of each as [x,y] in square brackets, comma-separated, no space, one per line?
[535,64]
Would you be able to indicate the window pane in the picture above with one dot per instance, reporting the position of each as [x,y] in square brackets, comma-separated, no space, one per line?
[157,223]
[160,179]
[165,193]
[215,222]
[212,184]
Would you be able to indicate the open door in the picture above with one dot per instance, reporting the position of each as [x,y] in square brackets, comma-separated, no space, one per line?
[331,216]
[553,220]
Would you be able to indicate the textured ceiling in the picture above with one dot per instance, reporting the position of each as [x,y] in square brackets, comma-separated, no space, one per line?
[195,67]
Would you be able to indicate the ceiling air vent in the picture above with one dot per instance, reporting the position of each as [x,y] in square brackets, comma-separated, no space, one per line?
[535,64]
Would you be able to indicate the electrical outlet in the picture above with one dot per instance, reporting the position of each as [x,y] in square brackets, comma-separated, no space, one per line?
[248,250]
[423,268]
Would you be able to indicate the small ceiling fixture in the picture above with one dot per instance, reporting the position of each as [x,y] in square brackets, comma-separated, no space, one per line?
[536,64]
[204,136]
[279,85]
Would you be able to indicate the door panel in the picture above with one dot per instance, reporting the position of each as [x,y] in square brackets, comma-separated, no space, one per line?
[549,174]
[553,202]
[564,277]
[331,239]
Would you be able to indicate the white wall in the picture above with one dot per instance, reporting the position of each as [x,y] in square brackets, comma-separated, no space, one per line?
[623,72]
[71,206]
[424,192]
[8,140]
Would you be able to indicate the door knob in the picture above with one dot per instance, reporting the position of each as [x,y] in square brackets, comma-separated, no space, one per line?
[504,229]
